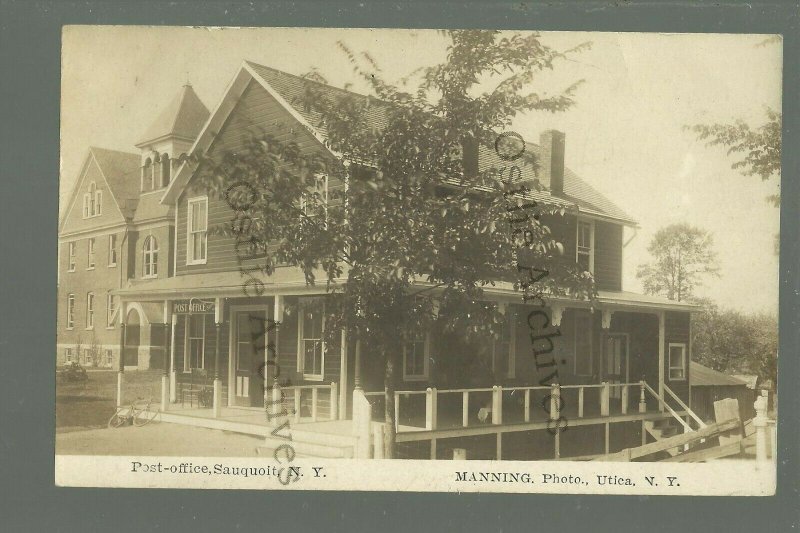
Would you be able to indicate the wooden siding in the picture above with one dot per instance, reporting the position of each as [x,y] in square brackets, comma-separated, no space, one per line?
[256,112]
[608,256]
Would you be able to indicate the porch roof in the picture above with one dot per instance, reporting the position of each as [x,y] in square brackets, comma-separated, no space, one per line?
[290,280]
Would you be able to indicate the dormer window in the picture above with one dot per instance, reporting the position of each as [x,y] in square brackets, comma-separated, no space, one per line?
[92,201]
[584,251]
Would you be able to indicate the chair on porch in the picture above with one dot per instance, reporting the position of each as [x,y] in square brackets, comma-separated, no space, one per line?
[198,390]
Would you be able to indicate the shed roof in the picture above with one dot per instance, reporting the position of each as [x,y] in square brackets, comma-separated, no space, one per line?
[702,376]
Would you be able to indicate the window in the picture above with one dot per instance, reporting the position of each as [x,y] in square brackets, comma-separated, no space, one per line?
[415,358]
[311,358]
[71,257]
[111,306]
[583,344]
[584,253]
[68,355]
[90,310]
[677,361]
[150,257]
[109,355]
[503,360]
[70,311]
[87,356]
[92,201]
[195,343]
[197,227]
[90,255]
[165,170]
[315,202]
[112,250]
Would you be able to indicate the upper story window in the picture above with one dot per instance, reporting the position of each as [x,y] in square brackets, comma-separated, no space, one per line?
[584,251]
[71,265]
[90,310]
[677,361]
[112,250]
[147,175]
[311,359]
[90,255]
[315,202]
[165,170]
[92,201]
[70,311]
[150,257]
[415,356]
[197,228]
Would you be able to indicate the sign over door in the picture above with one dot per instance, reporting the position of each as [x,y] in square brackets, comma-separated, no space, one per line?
[194,306]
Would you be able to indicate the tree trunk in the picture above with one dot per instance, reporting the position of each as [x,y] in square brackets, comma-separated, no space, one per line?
[388,389]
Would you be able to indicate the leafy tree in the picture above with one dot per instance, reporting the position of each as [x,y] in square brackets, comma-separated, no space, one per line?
[734,342]
[759,149]
[682,254]
[411,219]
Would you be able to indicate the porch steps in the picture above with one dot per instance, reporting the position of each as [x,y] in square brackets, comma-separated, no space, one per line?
[661,429]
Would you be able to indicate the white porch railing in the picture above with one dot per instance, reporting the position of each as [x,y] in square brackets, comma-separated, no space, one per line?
[491,404]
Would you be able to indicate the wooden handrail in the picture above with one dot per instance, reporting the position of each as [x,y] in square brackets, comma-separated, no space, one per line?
[685,407]
[675,415]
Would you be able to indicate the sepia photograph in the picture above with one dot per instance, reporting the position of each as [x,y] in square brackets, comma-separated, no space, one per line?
[483,260]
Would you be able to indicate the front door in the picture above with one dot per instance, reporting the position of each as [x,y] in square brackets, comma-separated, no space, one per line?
[249,347]
[615,361]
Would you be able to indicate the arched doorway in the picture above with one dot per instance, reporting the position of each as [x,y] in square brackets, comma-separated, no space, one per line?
[132,339]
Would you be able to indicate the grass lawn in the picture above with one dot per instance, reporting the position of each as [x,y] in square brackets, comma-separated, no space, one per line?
[89,404]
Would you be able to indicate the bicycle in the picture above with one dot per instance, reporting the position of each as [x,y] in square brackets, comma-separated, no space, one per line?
[138,413]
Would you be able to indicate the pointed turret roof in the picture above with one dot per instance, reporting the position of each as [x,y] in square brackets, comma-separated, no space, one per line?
[184,117]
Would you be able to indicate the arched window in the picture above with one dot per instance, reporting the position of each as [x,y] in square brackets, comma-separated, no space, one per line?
[165,170]
[147,175]
[150,257]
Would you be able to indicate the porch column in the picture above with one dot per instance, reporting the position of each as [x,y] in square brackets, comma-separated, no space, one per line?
[173,380]
[277,317]
[218,314]
[661,341]
[165,379]
[121,363]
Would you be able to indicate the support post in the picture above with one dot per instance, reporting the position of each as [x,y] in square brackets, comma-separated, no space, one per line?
[165,379]
[604,399]
[431,398]
[343,380]
[357,365]
[527,405]
[580,402]
[297,398]
[217,381]
[121,365]
[465,408]
[624,399]
[497,404]
[377,441]
[642,399]
[362,416]
[760,423]
[607,438]
[334,401]
[555,401]
[173,377]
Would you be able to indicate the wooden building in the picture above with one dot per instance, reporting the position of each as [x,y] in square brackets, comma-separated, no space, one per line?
[623,366]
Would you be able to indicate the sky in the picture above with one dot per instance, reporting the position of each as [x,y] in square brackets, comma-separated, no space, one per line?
[625,135]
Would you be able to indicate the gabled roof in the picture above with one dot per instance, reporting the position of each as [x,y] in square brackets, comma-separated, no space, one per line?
[120,170]
[700,375]
[184,117]
[291,90]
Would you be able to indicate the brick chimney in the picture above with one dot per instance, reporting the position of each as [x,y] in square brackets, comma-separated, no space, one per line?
[551,160]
